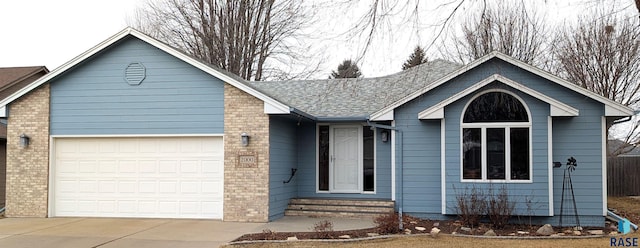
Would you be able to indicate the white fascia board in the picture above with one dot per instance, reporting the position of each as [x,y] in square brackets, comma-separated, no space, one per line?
[130,31]
[280,107]
[383,116]
[432,114]
[612,108]
[3,111]
[64,67]
[557,108]
[555,111]
[608,103]
[271,109]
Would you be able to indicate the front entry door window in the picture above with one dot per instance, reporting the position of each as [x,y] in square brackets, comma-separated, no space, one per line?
[345,159]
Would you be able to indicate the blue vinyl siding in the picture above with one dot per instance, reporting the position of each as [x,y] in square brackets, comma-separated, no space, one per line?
[174,98]
[419,150]
[306,174]
[530,198]
[283,146]
[307,162]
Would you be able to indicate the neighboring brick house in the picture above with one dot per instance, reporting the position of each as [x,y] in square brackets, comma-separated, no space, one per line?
[11,80]
[135,128]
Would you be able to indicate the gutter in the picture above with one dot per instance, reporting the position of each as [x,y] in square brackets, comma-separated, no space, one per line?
[328,119]
[343,119]
[302,114]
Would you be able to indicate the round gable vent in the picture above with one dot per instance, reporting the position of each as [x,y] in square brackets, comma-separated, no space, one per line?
[135,73]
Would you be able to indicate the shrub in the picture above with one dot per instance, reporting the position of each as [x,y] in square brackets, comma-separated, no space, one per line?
[471,206]
[323,229]
[499,207]
[387,223]
[269,235]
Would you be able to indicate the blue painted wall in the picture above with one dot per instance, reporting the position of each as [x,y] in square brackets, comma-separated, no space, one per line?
[530,198]
[307,136]
[283,145]
[573,136]
[174,98]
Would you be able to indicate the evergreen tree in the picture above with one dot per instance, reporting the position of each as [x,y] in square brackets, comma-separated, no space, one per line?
[417,57]
[346,69]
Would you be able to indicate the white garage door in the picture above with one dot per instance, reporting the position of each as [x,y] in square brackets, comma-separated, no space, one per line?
[172,177]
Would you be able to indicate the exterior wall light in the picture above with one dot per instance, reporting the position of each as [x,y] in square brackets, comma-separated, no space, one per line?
[24,140]
[245,139]
[384,135]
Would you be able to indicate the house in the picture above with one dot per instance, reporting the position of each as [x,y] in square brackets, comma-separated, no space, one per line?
[135,128]
[12,79]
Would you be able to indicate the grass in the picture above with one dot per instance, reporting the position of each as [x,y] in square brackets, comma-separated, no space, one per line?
[624,204]
[448,241]
[627,206]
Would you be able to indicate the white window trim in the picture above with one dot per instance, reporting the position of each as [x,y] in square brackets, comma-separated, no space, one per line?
[507,126]
[360,148]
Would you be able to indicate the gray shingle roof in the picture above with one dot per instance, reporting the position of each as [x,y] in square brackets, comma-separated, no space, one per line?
[340,98]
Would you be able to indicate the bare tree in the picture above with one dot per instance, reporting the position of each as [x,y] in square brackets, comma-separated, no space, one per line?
[384,18]
[248,38]
[509,28]
[602,53]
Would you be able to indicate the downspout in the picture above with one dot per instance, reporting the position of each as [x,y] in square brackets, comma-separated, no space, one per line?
[400,138]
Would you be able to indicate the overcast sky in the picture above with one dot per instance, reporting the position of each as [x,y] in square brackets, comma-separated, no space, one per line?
[52,32]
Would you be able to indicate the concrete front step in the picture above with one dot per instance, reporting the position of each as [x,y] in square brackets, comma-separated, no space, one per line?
[312,213]
[345,202]
[338,207]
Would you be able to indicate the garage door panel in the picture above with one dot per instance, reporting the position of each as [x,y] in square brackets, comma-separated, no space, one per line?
[107,166]
[138,177]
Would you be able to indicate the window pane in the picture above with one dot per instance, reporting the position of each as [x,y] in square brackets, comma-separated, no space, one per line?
[323,158]
[495,107]
[495,153]
[367,158]
[472,153]
[520,153]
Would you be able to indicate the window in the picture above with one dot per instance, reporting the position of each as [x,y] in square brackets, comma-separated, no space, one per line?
[346,158]
[496,139]
[367,159]
[323,158]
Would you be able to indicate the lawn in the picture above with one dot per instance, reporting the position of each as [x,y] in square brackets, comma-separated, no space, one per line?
[624,205]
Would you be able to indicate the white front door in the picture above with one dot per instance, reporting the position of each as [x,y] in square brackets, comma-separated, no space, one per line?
[346,157]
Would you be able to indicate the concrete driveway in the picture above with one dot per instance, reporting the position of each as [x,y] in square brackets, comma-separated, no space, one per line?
[141,233]
[97,232]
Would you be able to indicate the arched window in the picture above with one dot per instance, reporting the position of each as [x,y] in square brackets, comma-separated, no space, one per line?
[496,138]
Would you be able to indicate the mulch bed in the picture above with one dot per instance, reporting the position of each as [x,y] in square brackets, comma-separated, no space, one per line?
[410,223]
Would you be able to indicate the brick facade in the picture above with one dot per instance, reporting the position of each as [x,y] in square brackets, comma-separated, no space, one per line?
[246,187]
[28,167]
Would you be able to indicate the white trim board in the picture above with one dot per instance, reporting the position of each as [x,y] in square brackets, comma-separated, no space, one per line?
[556,108]
[272,106]
[550,162]
[604,165]
[134,135]
[612,108]
[443,161]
